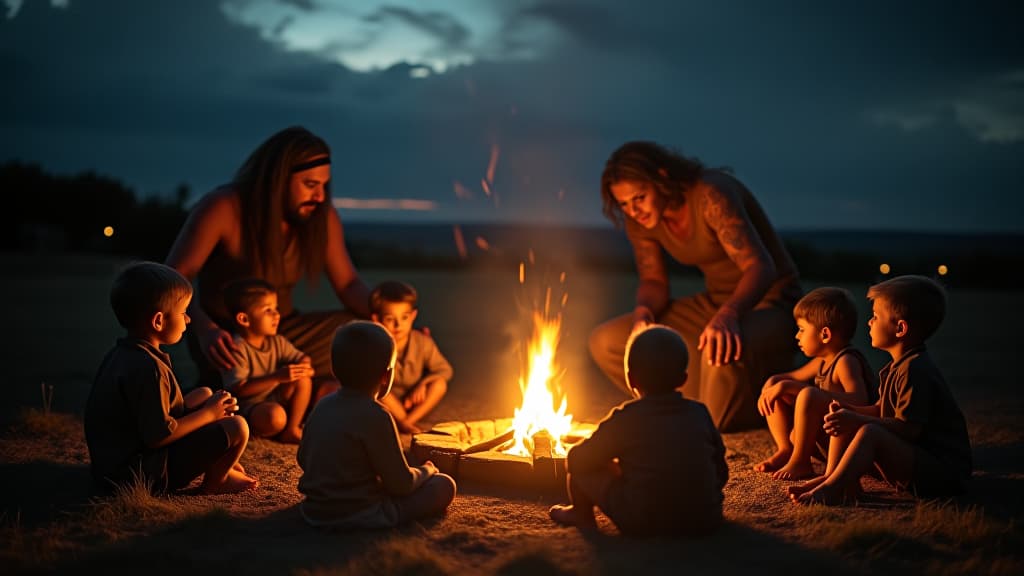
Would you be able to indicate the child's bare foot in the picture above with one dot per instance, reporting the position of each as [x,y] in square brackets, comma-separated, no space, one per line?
[794,471]
[826,494]
[773,462]
[238,466]
[235,482]
[568,515]
[290,435]
[795,491]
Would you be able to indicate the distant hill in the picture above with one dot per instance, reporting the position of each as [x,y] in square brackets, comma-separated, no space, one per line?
[986,260]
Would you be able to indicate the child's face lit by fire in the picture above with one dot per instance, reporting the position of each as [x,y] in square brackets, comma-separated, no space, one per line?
[398,318]
[263,316]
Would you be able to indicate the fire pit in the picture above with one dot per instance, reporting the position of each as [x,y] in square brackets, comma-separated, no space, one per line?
[527,450]
[475,452]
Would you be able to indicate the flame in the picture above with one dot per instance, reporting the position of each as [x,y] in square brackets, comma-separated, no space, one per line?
[537,411]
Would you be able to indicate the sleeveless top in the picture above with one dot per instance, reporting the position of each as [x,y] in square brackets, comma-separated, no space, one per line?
[703,250]
[825,372]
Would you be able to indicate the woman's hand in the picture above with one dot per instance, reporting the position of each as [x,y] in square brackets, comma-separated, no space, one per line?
[722,337]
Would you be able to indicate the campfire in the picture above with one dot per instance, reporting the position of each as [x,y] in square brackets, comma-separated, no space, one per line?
[528,449]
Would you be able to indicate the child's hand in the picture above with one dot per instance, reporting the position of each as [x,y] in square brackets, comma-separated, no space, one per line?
[416,396]
[766,403]
[841,421]
[293,372]
[221,405]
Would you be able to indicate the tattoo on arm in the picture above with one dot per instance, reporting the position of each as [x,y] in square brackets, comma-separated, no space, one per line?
[649,261]
[734,231]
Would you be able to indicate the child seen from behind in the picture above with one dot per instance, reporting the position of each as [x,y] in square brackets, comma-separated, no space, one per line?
[354,473]
[656,464]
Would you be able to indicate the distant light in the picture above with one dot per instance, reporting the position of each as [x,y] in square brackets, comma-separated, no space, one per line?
[399,204]
[419,72]
[884,268]
[943,270]
[108,231]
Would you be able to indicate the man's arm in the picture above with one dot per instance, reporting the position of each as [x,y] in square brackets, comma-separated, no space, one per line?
[341,273]
[207,225]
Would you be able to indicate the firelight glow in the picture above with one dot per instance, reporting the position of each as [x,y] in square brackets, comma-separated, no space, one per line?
[537,413]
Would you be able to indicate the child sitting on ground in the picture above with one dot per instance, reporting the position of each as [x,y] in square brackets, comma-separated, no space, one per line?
[422,373]
[138,425]
[795,402]
[272,378]
[656,464]
[915,435]
[354,473]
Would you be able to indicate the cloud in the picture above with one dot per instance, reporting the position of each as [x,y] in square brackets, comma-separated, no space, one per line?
[993,110]
[990,109]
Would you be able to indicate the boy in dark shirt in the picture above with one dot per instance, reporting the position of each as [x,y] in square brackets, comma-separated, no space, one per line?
[138,425]
[656,464]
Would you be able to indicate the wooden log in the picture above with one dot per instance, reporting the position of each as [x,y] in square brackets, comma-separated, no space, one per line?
[490,443]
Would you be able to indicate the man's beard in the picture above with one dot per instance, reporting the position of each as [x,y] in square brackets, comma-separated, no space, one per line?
[296,217]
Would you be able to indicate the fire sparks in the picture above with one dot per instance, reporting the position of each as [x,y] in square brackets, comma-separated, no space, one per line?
[537,412]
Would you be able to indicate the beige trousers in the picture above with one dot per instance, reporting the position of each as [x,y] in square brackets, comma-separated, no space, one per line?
[729,391]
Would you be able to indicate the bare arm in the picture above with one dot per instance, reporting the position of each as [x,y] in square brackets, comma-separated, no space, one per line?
[849,375]
[221,405]
[724,213]
[726,216]
[652,293]
[350,288]
[207,225]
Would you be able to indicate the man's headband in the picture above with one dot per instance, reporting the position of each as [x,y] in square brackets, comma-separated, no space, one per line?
[311,164]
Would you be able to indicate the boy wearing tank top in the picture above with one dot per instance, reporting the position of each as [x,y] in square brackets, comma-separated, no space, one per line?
[795,402]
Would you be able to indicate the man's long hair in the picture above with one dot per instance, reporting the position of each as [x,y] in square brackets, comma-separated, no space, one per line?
[263,184]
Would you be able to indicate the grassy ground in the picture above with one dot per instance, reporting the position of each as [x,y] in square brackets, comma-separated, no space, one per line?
[50,524]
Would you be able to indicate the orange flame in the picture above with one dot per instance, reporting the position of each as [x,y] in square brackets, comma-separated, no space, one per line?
[537,412]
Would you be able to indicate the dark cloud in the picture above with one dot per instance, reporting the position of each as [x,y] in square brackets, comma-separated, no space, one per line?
[851,115]
[441,25]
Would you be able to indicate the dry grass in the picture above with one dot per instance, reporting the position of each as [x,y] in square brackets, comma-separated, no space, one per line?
[52,525]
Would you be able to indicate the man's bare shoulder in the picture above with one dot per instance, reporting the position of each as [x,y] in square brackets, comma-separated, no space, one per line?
[220,202]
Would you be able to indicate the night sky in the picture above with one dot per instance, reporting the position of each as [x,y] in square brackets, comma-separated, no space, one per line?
[839,115]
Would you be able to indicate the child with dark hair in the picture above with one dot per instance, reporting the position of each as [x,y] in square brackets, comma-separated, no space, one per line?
[422,373]
[138,425]
[915,435]
[656,464]
[354,473]
[794,402]
[272,378]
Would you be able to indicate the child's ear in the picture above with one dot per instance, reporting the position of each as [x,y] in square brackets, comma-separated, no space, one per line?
[901,328]
[156,322]
[375,317]
[415,312]
[826,335]
[242,319]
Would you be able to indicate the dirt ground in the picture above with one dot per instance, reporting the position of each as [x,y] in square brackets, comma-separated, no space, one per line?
[54,526]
